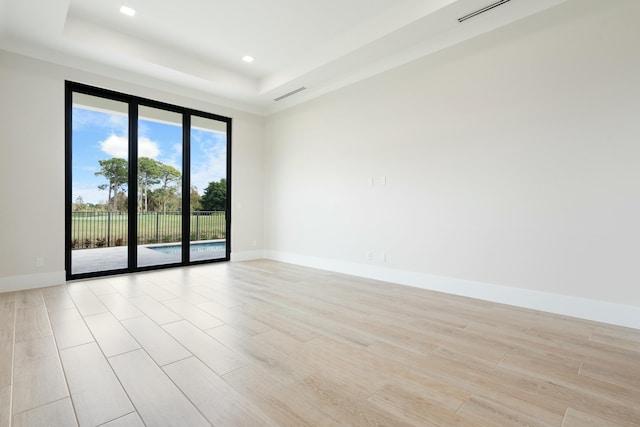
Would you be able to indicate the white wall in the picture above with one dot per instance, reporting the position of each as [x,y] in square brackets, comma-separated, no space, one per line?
[32,166]
[512,162]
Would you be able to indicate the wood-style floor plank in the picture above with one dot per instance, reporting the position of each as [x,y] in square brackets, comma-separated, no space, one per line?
[217,296]
[234,316]
[129,420]
[486,412]
[556,397]
[185,293]
[161,346]
[284,407]
[624,374]
[155,310]
[331,400]
[86,301]
[119,306]
[31,323]
[155,291]
[333,360]
[97,395]
[31,318]
[7,333]
[54,414]
[187,311]
[57,299]
[37,375]
[575,418]
[415,408]
[215,355]
[5,405]
[274,320]
[286,368]
[216,399]
[546,368]
[69,328]
[127,286]
[100,287]
[157,399]
[111,336]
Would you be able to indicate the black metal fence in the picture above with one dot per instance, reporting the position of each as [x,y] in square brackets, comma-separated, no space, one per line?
[91,229]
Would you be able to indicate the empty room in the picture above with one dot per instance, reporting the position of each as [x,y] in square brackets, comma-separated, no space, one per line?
[320,213]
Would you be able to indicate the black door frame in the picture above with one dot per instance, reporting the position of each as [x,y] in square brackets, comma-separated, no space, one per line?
[134,102]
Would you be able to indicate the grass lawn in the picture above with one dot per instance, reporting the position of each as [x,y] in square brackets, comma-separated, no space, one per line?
[102,229]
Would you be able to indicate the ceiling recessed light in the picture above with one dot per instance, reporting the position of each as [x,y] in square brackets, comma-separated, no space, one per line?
[127,10]
[248,58]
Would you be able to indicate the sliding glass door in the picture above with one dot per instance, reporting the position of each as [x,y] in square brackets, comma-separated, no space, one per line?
[159,201]
[98,216]
[169,207]
[208,190]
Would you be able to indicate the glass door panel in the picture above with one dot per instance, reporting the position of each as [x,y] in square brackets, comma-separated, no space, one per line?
[99,190]
[159,197]
[208,192]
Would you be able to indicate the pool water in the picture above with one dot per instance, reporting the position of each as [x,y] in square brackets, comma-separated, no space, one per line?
[193,248]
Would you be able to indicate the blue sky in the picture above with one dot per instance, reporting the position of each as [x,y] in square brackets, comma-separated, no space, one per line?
[99,135]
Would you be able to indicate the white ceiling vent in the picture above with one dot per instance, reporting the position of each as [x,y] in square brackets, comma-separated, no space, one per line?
[483,10]
[288,94]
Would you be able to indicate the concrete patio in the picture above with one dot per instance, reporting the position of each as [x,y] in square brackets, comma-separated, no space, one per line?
[115,258]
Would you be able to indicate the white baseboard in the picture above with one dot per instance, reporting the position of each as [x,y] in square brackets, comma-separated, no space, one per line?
[31,281]
[583,308]
[246,255]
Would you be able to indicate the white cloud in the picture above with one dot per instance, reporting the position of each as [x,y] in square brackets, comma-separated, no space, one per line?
[88,118]
[118,122]
[118,146]
[175,157]
[147,148]
[212,167]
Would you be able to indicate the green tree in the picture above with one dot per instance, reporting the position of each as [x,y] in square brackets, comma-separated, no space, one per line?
[215,196]
[168,194]
[116,171]
[121,201]
[194,199]
[149,173]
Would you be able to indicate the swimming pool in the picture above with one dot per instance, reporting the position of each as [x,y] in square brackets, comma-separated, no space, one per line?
[194,247]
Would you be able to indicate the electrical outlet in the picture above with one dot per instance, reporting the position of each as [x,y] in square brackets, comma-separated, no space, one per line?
[39,262]
[369,256]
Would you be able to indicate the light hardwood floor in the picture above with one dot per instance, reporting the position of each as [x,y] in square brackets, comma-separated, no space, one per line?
[265,343]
